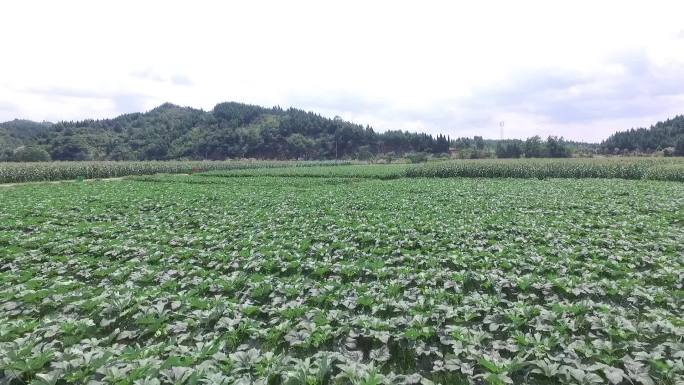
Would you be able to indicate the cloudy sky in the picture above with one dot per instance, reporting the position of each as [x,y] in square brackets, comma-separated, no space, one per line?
[580,69]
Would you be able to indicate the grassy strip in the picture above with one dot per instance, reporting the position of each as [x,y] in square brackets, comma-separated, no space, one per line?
[375,171]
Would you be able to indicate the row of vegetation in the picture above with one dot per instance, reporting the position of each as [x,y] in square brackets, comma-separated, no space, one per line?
[533,147]
[375,171]
[604,168]
[53,171]
[623,168]
[230,130]
[234,130]
[666,137]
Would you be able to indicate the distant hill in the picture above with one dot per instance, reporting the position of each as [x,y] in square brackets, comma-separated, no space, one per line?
[14,133]
[658,137]
[230,130]
[23,129]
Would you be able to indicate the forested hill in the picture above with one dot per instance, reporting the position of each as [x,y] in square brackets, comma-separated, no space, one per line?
[667,135]
[230,130]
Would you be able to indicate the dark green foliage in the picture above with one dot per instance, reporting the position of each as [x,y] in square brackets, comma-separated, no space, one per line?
[510,149]
[679,147]
[235,130]
[556,148]
[657,137]
[15,132]
[417,157]
[31,154]
[534,148]
[479,142]
[441,145]
[23,129]
[230,130]
[70,147]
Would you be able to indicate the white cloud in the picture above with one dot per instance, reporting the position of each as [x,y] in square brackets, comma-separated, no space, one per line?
[581,69]
[154,76]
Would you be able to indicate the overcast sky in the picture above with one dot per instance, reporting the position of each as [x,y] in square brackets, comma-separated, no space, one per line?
[580,69]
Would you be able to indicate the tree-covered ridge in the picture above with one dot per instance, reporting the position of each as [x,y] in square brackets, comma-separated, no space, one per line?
[230,130]
[14,133]
[22,129]
[667,135]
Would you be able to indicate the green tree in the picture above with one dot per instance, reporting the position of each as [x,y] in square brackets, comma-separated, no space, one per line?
[364,153]
[534,148]
[417,157]
[659,136]
[441,145]
[229,130]
[512,149]
[31,154]
[679,147]
[298,145]
[556,147]
[70,147]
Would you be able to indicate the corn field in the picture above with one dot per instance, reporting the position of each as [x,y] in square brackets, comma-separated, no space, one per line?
[665,169]
[54,171]
[621,168]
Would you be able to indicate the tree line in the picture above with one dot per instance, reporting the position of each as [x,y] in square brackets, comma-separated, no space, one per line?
[236,130]
[533,147]
[666,137]
[230,130]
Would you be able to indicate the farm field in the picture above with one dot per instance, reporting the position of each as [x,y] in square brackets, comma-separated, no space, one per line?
[652,168]
[342,278]
[617,167]
[11,172]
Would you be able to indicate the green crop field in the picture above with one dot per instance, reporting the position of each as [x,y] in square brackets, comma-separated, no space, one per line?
[652,168]
[618,167]
[377,171]
[56,171]
[356,276]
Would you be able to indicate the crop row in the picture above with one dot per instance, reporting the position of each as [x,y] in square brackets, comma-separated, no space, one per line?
[666,169]
[604,168]
[620,168]
[376,171]
[53,171]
